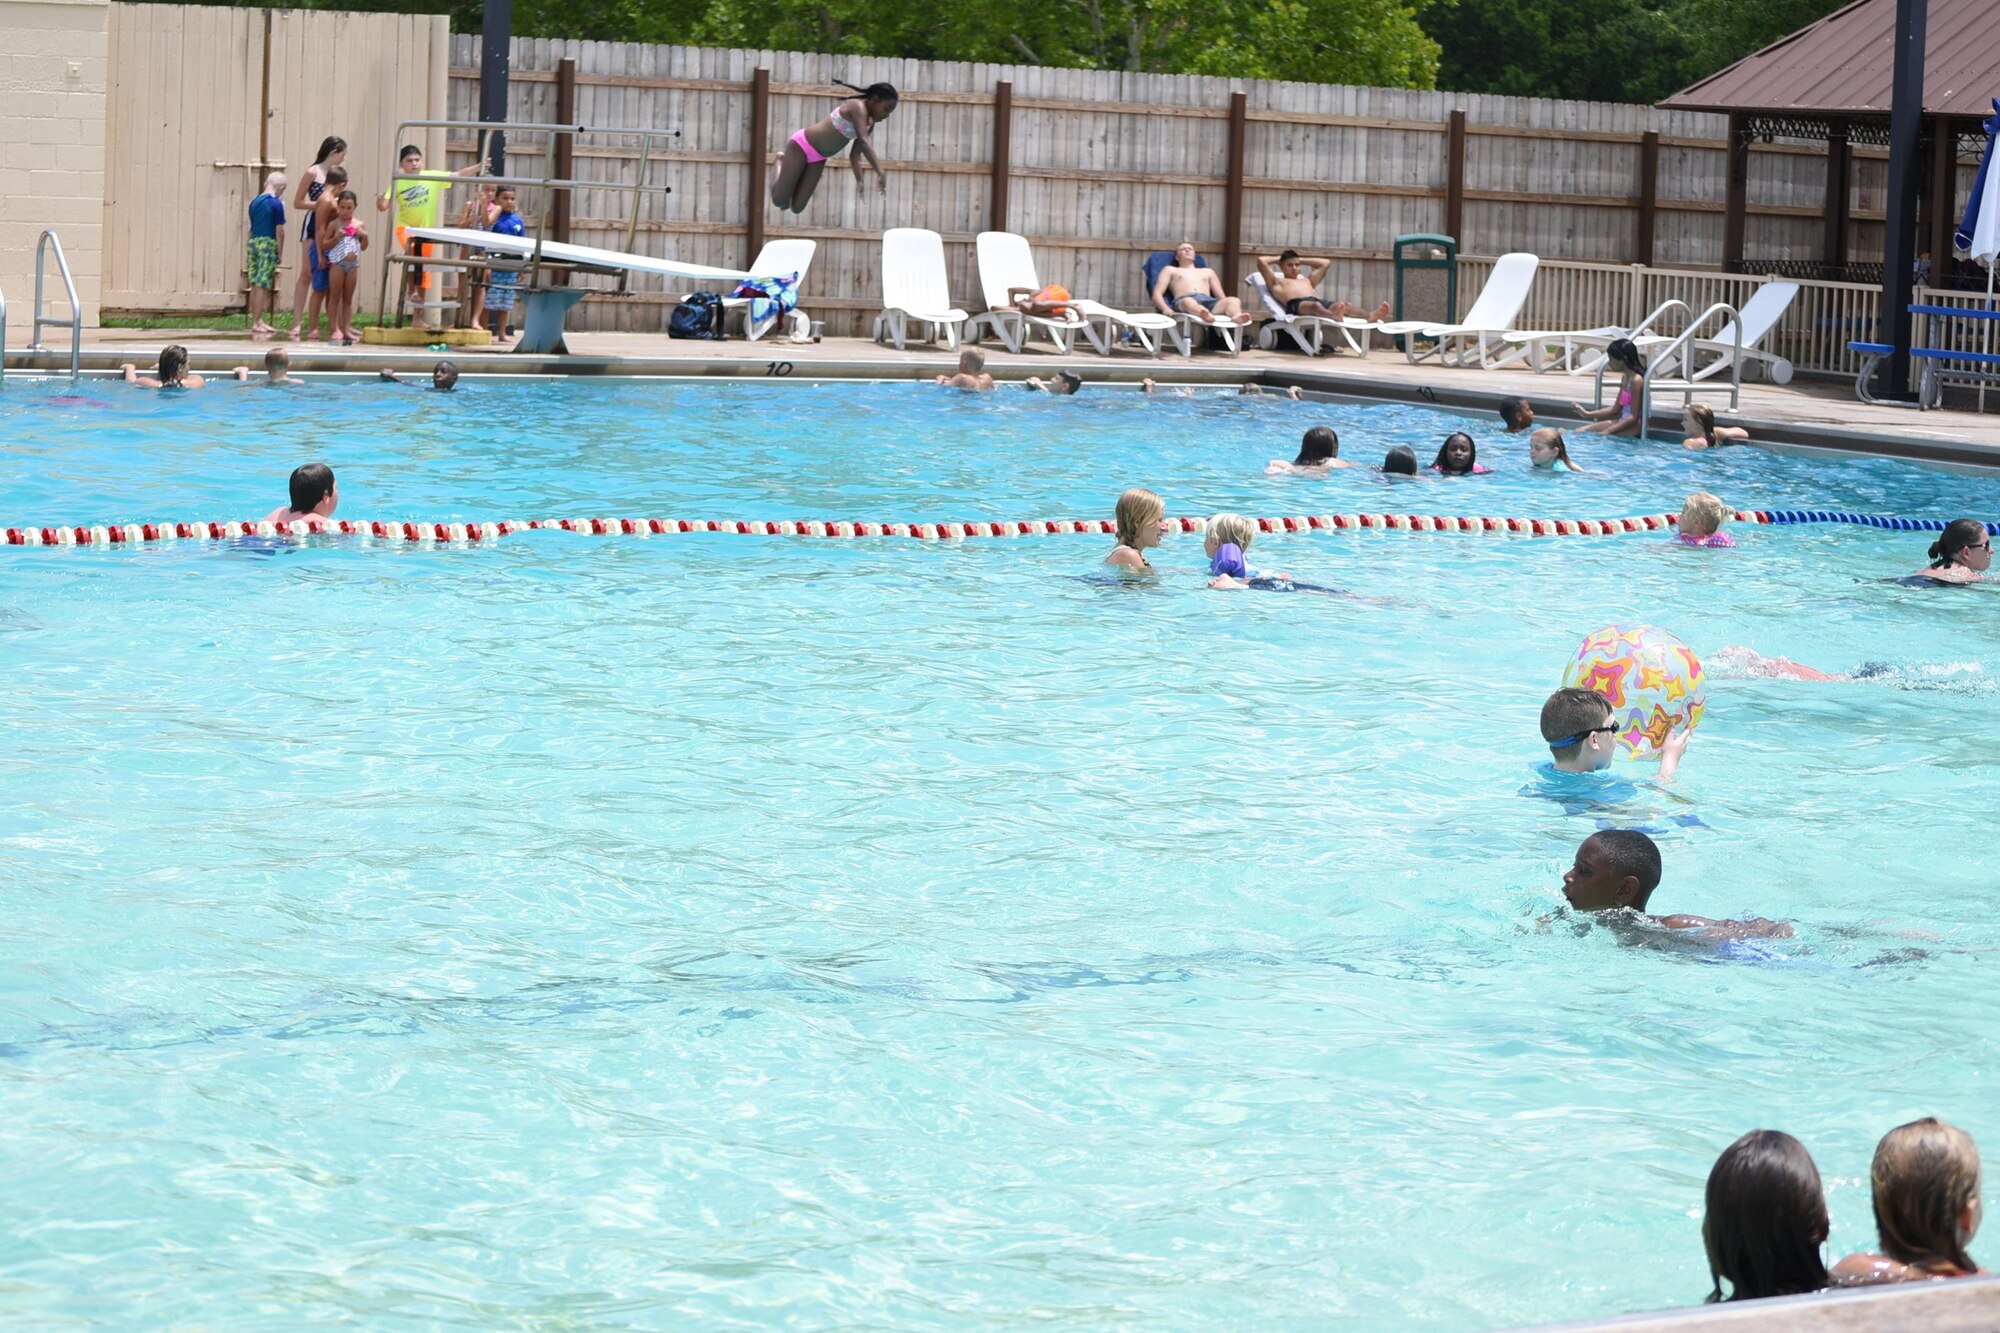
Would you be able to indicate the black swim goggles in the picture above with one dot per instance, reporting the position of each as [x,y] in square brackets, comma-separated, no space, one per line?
[1581,737]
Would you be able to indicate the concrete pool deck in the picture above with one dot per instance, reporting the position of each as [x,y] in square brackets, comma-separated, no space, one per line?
[1809,415]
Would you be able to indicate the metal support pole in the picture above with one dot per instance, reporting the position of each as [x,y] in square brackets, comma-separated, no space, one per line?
[1454,178]
[496,40]
[1899,246]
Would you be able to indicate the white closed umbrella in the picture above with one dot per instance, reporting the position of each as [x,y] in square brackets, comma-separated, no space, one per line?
[1985,240]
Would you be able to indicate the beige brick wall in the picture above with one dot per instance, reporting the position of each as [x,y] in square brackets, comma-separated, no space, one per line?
[52,86]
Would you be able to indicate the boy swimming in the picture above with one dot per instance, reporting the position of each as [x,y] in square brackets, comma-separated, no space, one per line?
[1613,878]
[971,372]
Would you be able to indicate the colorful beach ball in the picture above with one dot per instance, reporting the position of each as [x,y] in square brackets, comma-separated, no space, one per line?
[1652,679]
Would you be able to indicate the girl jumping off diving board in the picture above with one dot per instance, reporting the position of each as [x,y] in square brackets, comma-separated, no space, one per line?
[795,173]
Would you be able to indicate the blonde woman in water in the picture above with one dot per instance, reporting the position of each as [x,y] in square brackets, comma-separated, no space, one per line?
[1142,524]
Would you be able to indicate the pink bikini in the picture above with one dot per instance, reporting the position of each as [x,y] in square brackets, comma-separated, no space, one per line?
[840,122]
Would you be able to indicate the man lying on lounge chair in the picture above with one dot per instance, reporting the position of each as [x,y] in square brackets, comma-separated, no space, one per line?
[1185,289]
[1295,282]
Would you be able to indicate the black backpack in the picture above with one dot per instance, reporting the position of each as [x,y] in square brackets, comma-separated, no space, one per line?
[699,315]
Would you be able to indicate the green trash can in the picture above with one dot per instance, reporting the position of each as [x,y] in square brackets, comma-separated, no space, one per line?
[1427,278]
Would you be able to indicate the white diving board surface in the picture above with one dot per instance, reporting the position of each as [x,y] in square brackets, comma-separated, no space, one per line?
[544,309]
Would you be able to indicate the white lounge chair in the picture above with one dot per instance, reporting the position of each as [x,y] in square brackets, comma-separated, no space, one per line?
[1581,351]
[1006,264]
[777,259]
[1480,339]
[915,287]
[1738,341]
[1105,325]
[1308,331]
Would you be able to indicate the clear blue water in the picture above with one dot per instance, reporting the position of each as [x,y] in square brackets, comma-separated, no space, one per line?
[728,932]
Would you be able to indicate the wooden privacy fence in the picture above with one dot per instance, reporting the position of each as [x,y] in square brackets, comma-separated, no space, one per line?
[1098,168]
[203,101]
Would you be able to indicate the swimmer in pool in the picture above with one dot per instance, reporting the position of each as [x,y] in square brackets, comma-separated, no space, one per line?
[1961,554]
[1226,537]
[1319,452]
[1518,413]
[1698,420]
[1062,384]
[1142,525]
[278,369]
[1458,456]
[1400,461]
[971,372]
[315,496]
[1613,878]
[1549,452]
[1581,730]
[174,372]
[1701,522]
[444,377]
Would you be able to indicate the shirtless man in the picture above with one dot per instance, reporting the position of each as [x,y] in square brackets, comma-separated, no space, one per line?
[314,496]
[1186,290]
[1295,282]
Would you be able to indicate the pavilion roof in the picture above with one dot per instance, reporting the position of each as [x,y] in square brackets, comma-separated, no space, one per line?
[1844,64]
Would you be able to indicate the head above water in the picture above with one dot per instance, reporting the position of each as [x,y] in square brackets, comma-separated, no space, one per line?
[1614,868]
[1703,515]
[1141,517]
[1065,382]
[277,362]
[1964,541]
[1517,413]
[1547,449]
[971,361]
[173,363]
[1764,1219]
[1319,445]
[1227,530]
[313,489]
[1400,461]
[1457,456]
[444,375]
[1578,726]
[1701,417]
[1925,1186]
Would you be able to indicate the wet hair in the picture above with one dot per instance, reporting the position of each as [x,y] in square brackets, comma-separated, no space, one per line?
[1957,535]
[1226,528]
[1400,461]
[874,92]
[1319,444]
[1704,511]
[1569,712]
[1704,417]
[1764,1218]
[310,484]
[346,197]
[277,359]
[336,175]
[1923,1177]
[1553,437]
[1632,854]
[408,149]
[173,363]
[1511,410]
[1074,380]
[1288,256]
[1137,508]
[971,360]
[446,371]
[1471,462]
[1625,352]
[328,146]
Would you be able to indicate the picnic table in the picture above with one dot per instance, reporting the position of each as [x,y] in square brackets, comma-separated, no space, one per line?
[1940,365]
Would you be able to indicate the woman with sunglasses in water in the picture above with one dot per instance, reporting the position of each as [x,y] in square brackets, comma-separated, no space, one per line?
[1961,554]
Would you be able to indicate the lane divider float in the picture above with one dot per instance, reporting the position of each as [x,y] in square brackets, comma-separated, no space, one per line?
[139,534]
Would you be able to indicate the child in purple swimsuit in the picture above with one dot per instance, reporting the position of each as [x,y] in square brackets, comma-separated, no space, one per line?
[796,171]
[1701,522]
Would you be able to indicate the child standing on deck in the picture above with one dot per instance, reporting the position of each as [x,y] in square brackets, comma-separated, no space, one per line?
[317,242]
[267,251]
[503,284]
[418,203]
[312,184]
[348,238]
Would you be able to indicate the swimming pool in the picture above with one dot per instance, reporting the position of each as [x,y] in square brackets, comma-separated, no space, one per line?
[724,931]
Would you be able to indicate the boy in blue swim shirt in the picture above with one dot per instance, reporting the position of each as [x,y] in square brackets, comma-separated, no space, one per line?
[1581,730]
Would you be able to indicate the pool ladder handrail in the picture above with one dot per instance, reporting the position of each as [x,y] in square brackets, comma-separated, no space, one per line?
[75,321]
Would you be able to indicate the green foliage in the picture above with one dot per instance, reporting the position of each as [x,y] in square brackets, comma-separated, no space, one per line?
[1609,50]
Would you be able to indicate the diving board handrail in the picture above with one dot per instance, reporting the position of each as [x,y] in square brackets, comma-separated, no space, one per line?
[75,321]
[547,182]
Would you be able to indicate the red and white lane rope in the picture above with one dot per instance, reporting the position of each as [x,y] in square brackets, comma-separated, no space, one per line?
[137,534]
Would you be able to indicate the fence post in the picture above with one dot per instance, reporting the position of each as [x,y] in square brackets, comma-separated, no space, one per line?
[1232,198]
[1839,175]
[1943,195]
[1736,194]
[1454,179]
[760,139]
[565,147]
[1649,187]
[1003,152]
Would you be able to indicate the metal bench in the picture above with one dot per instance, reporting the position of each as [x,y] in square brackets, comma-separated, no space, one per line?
[1940,366]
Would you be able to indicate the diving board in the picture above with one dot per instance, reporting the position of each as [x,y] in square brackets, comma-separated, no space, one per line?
[545,308]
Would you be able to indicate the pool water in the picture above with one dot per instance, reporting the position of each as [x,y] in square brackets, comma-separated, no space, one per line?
[728,932]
